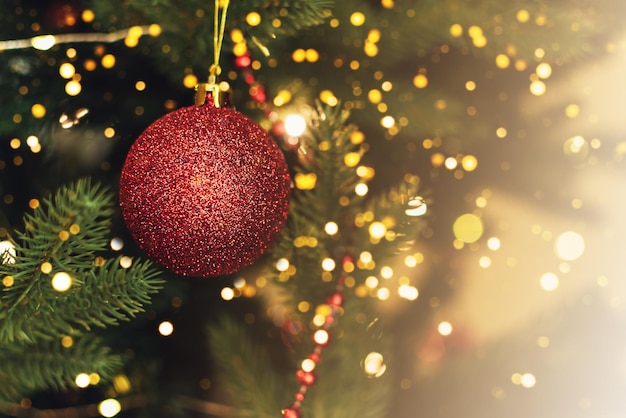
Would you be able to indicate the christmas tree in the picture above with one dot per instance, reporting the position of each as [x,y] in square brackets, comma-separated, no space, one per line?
[428,230]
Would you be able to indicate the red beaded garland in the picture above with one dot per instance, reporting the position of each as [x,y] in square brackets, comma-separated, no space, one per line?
[291,413]
[204,190]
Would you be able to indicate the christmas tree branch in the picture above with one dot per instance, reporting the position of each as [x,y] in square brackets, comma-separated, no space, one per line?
[56,279]
[28,367]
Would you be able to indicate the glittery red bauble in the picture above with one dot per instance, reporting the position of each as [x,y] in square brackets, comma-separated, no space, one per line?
[204,190]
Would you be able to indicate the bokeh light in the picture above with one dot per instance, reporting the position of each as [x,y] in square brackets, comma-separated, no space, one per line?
[569,246]
[109,407]
[61,281]
[295,125]
[166,328]
[444,328]
[468,228]
[549,281]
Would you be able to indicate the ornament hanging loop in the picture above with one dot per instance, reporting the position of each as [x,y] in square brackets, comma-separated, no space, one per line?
[212,89]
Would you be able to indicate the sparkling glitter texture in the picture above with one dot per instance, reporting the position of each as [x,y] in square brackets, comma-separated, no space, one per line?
[204,191]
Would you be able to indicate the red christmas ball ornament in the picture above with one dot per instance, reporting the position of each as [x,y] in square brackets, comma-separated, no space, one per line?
[204,190]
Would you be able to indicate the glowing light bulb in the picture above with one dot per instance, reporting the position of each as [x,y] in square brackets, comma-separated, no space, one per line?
[328,264]
[82,380]
[377,230]
[61,281]
[549,282]
[444,328]
[321,337]
[374,365]
[570,246]
[43,42]
[227,293]
[331,228]
[166,328]
[109,407]
[468,228]
[295,125]
[528,380]
[282,264]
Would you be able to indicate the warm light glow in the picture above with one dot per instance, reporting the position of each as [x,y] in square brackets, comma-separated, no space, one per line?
[253,19]
[82,380]
[544,70]
[493,243]
[387,121]
[67,70]
[502,61]
[386,272]
[190,81]
[371,282]
[522,16]
[537,88]
[528,380]
[109,408]
[572,110]
[456,30]
[328,264]
[7,252]
[116,244]
[227,293]
[383,293]
[321,337]
[451,163]
[88,16]
[549,282]
[374,365]
[361,189]
[61,281]
[469,163]
[484,262]
[444,328]
[377,230]
[305,181]
[73,88]
[417,207]
[307,365]
[43,42]
[331,228]
[166,328]
[94,378]
[108,61]
[357,19]
[126,262]
[282,264]
[295,125]
[569,246]
[420,81]
[67,341]
[408,292]
[468,228]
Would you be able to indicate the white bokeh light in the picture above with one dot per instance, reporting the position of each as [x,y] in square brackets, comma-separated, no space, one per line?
[569,246]
[295,125]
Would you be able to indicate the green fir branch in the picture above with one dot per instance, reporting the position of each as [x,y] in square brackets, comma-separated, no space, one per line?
[245,370]
[64,235]
[47,364]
